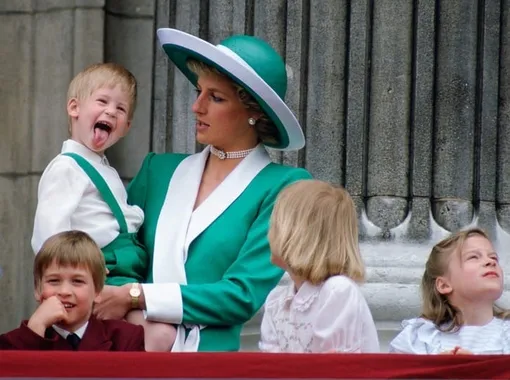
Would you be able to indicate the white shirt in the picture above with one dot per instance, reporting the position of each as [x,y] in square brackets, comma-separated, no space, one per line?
[64,333]
[68,200]
[421,336]
[333,316]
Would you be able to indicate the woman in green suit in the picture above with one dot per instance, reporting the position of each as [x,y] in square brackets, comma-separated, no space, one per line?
[207,214]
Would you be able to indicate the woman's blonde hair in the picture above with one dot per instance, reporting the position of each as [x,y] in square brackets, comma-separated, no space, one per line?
[314,230]
[436,306]
[265,128]
[71,249]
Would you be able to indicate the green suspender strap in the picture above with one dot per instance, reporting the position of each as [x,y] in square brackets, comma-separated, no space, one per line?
[103,189]
[126,259]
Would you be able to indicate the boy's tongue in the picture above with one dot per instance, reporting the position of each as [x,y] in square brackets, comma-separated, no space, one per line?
[100,136]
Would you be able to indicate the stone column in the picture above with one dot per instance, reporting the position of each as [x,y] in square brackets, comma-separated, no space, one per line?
[42,45]
[129,37]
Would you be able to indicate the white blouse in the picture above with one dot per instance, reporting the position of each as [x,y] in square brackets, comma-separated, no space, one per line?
[421,336]
[332,316]
[67,199]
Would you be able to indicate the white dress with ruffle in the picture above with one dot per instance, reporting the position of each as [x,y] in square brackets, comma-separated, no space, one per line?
[421,336]
[330,317]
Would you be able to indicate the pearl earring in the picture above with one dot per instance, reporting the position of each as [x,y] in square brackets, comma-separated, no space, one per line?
[252,121]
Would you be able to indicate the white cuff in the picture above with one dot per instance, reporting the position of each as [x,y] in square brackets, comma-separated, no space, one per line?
[163,302]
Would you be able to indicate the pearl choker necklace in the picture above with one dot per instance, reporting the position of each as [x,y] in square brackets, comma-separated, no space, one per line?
[223,155]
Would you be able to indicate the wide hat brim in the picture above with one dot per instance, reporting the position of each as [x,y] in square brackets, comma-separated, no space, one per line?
[181,46]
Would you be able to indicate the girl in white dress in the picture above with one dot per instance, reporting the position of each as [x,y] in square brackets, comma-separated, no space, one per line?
[462,280]
[313,235]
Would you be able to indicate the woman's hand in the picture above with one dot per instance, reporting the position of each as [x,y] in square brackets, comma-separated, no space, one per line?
[113,302]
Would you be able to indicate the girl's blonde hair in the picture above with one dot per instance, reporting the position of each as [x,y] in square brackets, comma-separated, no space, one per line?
[436,306]
[314,230]
[265,128]
[71,249]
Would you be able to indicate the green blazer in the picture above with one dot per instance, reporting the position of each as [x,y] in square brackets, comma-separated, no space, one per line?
[209,266]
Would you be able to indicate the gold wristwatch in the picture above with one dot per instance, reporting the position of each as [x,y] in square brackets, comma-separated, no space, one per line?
[135,292]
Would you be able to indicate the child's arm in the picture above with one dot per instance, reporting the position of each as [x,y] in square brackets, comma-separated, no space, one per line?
[341,323]
[23,338]
[159,337]
[30,335]
[61,188]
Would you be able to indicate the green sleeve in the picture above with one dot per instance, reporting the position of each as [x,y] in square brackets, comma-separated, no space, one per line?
[137,192]
[244,287]
[137,188]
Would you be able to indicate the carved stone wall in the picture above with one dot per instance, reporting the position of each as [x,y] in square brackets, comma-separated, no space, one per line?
[405,103]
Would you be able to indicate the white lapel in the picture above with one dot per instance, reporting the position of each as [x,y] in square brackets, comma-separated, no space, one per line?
[173,221]
[178,225]
[227,192]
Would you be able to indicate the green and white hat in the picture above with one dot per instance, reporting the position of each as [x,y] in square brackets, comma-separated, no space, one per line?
[249,61]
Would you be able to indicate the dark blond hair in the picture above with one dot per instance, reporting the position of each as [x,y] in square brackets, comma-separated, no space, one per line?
[71,249]
[436,306]
[267,131]
[101,75]
[314,230]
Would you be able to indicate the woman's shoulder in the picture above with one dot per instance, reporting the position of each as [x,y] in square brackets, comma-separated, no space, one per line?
[164,158]
[418,336]
[158,165]
[287,170]
[277,175]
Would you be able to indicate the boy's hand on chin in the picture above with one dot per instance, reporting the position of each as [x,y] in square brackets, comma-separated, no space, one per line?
[49,312]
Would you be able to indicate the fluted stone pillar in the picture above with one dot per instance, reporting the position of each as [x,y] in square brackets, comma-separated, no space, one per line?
[503,133]
[42,45]
[129,40]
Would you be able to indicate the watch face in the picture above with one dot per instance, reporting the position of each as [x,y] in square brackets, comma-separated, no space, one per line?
[134,292]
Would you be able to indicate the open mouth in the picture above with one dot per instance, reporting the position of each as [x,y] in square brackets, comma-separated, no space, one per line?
[102,130]
[104,126]
[68,306]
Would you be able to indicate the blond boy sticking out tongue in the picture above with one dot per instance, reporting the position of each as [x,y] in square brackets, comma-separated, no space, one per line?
[79,190]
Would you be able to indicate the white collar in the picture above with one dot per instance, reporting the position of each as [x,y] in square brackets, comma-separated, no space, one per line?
[64,333]
[303,298]
[71,146]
